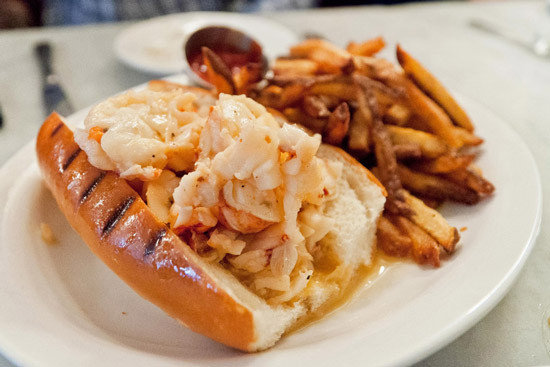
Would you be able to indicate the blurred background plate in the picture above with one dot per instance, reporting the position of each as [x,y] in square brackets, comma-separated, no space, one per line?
[156,45]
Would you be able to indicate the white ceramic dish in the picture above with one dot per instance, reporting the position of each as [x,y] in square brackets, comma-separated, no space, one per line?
[62,307]
[156,45]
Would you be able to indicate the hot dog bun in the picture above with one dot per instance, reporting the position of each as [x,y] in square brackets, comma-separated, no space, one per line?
[117,225]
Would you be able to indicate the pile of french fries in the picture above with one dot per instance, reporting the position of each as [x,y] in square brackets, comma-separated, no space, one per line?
[400,122]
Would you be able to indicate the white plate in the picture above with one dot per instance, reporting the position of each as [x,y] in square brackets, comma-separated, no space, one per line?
[156,45]
[62,307]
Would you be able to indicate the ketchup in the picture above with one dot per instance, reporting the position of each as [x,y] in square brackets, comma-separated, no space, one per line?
[234,54]
[233,60]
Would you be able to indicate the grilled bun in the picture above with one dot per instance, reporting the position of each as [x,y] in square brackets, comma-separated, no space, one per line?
[119,228]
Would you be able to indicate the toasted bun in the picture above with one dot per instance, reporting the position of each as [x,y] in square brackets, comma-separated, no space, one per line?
[119,228]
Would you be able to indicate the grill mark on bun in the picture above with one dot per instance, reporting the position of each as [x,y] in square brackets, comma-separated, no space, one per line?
[92,187]
[155,240]
[117,215]
[71,159]
[56,129]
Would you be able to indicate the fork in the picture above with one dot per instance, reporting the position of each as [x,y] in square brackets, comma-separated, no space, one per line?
[540,46]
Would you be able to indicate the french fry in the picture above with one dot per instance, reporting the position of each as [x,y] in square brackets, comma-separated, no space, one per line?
[281,97]
[315,106]
[246,76]
[425,109]
[430,145]
[433,88]
[341,87]
[467,138]
[397,114]
[242,80]
[298,116]
[370,83]
[218,73]
[407,151]
[338,125]
[359,135]
[270,96]
[367,48]
[307,48]
[295,67]
[330,101]
[425,250]
[291,95]
[436,187]
[430,202]
[391,240]
[377,68]
[385,95]
[307,81]
[385,155]
[445,163]
[342,90]
[473,180]
[475,169]
[435,118]
[417,123]
[330,59]
[432,222]
[363,104]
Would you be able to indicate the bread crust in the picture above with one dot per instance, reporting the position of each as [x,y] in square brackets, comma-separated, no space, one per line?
[362,170]
[123,232]
[120,229]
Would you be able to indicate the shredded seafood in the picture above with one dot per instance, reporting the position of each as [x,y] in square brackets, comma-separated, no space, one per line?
[244,189]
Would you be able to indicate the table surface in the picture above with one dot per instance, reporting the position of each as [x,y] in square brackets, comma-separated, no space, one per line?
[507,80]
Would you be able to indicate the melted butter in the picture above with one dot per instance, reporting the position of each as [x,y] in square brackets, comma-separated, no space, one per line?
[363,279]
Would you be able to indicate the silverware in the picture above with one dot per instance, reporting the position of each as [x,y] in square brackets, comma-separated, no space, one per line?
[55,98]
[540,46]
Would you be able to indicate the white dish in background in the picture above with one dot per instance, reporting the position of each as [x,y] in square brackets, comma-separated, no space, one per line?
[61,306]
[156,45]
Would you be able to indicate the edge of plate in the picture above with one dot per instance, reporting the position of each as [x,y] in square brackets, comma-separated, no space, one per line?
[429,346]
